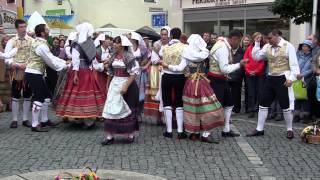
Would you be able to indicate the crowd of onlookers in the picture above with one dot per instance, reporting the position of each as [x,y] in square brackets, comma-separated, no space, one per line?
[246,83]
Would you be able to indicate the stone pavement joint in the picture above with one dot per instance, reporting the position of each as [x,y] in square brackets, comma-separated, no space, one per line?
[252,156]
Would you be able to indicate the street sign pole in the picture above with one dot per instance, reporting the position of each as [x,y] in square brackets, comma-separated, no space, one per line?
[314,16]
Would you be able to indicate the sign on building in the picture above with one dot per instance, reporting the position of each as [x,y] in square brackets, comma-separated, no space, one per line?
[159,19]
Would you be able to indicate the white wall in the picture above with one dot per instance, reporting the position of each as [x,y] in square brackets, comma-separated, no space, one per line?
[129,14]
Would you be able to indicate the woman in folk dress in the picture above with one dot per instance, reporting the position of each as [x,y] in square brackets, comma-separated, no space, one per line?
[120,110]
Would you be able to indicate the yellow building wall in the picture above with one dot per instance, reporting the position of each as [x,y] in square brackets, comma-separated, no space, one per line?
[128,14]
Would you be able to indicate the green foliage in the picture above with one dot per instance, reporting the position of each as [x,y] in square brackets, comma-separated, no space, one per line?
[298,10]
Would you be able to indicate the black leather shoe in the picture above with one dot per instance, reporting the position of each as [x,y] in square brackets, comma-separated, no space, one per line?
[290,134]
[14,124]
[130,139]
[194,137]
[182,135]
[255,133]
[49,123]
[26,123]
[209,140]
[167,134]
[38,129]
[107,142]
[229,134]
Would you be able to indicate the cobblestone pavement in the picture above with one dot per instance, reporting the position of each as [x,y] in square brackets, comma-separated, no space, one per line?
[67,147]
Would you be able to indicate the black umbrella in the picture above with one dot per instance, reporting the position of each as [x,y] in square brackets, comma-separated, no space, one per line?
[148,32]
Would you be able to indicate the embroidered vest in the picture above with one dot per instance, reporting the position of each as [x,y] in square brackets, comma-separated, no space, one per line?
[213,62]
[278,63]
[23,53]
[172,54]
[36,62]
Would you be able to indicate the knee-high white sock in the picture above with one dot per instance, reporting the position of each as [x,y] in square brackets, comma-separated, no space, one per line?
[15,109]
[168,117]
[36,109]
[227,116]
[288,117]
[26,108]
[262,116]
[179,116]
[44,110]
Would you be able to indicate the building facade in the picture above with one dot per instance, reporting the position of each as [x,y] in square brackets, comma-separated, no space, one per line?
[8,14]
[249,16]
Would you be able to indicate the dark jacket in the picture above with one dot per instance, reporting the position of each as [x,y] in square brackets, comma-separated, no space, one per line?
[238,74]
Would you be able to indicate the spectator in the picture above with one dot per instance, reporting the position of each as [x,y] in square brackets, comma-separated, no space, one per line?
[62,53]
[213,38]
[51,74]
[245,42]
[315,44]
[236,79]
[254,72]
[313,102]
[304,56]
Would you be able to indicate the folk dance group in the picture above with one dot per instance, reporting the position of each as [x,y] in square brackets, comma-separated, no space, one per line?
[118,82]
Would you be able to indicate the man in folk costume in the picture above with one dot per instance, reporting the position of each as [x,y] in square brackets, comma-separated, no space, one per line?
[81,97]
[173,80]
[220,65]
[18,65]
[151,105]
[40,57]
[283,69]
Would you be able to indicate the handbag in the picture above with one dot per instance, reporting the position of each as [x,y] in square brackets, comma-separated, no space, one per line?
[299,89]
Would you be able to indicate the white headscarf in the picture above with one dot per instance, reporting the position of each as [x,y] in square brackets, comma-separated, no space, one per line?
[34,20]
[101,37]
[84,30]
[139,38]
[71,37]
[197,48]
[125,41]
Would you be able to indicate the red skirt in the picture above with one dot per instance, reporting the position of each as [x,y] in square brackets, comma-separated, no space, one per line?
[101,78]
[84,100]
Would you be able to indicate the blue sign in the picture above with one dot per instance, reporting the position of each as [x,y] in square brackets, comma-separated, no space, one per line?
[159,20]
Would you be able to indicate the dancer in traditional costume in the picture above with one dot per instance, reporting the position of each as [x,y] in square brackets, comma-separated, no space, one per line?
[18,64]
[81,97]
[202,110]
[220,65]
[120,110]
[41,56]
[63,74]
[140,51]
[152,107]
[5,86]
[103,55]
[283,68]
[173,80]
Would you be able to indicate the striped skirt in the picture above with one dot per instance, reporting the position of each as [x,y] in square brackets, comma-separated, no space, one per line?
[202,111]
[84,100]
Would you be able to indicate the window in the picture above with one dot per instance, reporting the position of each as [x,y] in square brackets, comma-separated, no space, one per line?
[11,1]
[150,1]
